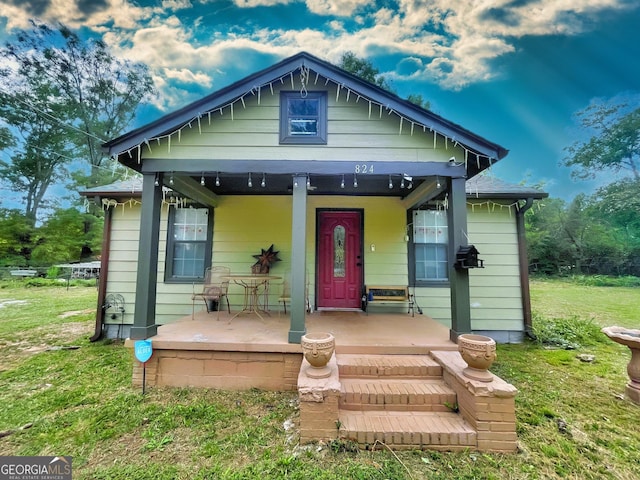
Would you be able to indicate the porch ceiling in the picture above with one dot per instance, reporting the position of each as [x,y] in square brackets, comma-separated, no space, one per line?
[282,184]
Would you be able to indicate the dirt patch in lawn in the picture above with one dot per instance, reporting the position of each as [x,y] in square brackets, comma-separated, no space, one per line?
[73,313]
[177,448]
[44,338]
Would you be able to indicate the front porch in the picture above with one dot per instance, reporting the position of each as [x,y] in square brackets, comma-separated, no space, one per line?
[355,332]
[395,379]
[246,352]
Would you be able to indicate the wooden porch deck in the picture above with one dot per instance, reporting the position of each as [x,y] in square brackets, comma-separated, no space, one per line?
[355,332]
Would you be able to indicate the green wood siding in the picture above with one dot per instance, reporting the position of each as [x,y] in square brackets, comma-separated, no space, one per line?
[123,258]
[496,302]
[243,225]
[354,135]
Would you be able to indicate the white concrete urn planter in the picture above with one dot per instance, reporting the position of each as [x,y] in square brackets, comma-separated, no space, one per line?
[479,352]
[317,349]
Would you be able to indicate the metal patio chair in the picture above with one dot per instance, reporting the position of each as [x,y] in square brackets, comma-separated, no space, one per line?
[215,288]
[285,294]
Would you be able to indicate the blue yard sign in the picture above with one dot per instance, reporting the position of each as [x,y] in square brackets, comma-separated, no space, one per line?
[142,350]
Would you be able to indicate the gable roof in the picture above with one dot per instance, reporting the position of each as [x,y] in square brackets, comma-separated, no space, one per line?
[485,153]
[485,186]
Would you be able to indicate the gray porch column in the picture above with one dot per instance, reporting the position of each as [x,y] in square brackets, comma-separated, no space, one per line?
[298,259]
[459,278]
[145,315]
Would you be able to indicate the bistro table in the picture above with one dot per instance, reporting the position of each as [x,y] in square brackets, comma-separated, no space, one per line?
[251,282]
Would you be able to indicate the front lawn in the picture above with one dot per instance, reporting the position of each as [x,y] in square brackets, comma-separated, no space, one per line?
[61,400]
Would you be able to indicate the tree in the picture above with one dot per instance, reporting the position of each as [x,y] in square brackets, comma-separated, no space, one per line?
[40,147]
[6,137]
[614,144]
[419,100]
[365,70]
[68,235]
[596,234]
[99,92]
[15,238]
[560,235]
[619,204]
[618,207]
[548,248]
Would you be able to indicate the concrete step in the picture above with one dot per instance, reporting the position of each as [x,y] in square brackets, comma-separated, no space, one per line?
[399,394]
[407,430]
[387,366]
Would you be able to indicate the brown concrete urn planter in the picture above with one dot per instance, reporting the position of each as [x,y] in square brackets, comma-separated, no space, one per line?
[317,349]
[479,352]
[630,338]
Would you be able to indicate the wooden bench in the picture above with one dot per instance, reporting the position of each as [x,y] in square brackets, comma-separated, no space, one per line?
[388,295]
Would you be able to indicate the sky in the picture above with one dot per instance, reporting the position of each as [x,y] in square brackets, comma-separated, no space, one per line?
[513,71]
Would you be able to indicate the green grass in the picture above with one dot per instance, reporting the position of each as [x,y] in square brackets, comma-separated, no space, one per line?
[565,298]
[572,421]
[570,332]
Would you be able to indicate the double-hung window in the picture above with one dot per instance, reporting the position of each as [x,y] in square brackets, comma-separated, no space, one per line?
[303,118]
[431,242]
[189,241]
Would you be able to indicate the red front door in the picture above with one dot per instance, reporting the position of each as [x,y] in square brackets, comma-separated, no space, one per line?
[339,281]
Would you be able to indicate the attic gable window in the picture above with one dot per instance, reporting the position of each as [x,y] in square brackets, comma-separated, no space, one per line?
[303,118]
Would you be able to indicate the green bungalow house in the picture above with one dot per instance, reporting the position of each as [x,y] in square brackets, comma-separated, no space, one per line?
[354,188]
[267,160]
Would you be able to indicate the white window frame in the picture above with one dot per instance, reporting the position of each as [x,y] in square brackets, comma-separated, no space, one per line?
[431,235]
[176,239]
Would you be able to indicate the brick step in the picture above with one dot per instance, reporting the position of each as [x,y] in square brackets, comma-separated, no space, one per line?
[426,395]
[408,430]
[387,366]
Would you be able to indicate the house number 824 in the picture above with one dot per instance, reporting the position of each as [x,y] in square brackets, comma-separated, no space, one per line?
[364,168]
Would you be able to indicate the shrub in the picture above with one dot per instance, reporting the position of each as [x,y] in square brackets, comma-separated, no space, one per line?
[606,281]
[53,272]
[570,333]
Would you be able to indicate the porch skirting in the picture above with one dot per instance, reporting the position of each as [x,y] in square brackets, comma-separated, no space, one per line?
[275,371]
[247,352]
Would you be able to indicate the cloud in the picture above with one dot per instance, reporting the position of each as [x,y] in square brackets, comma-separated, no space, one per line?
[340,8]
[409,66]
[30,7]
[476,33]
[174,5]
[94,14]
[185,75]
[454,44]
[175,61]
[259,3]
[88,7]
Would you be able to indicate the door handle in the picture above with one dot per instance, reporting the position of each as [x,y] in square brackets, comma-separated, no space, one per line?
[358,264]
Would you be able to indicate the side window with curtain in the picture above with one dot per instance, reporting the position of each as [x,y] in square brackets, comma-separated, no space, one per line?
[189,241]
[430,242]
